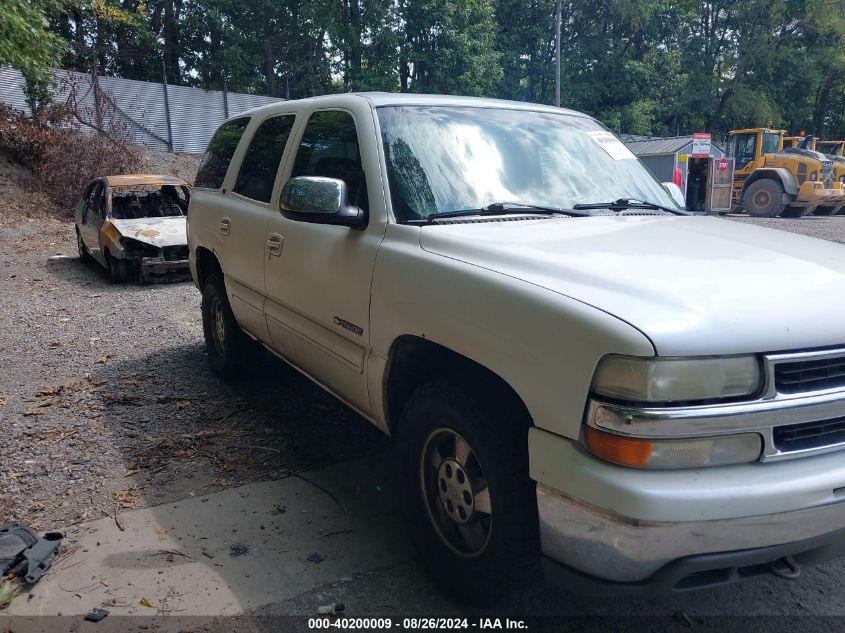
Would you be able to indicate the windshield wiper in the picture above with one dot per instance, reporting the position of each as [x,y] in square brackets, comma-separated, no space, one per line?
[628,203]
[499,208]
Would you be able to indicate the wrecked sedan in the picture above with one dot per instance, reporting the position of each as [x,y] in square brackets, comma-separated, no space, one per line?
[134,225]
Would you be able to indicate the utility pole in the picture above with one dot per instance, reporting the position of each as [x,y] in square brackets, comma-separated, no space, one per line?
[557,53]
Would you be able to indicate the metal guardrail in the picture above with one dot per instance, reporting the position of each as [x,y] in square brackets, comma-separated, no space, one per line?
[162,117]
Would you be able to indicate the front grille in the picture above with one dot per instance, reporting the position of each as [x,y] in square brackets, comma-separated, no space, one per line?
[808,435]
[827,174]
[175,253]
[810,375]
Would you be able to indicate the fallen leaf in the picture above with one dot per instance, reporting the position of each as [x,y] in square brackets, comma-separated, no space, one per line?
[4,400]
[8,590]
[37,507]
[183,404]
[146,603]
[204,435]
[55,390]
[104,356]
[162,534]
[34,411]
[14,475]
[124,498]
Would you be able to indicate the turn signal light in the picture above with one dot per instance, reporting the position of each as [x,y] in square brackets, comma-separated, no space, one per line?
[616,449]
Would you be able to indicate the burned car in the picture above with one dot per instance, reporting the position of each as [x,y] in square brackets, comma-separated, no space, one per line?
[134,225]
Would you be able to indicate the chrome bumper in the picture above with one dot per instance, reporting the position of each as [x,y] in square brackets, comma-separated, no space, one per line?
[611,547]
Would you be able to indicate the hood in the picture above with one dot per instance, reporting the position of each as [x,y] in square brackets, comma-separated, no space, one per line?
[156,231]
[693,285]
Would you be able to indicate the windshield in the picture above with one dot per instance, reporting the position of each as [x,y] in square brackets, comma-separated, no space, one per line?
[443,159]
[148,201]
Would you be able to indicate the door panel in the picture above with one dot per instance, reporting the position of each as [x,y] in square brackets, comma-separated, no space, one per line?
[318,287]
[242,224]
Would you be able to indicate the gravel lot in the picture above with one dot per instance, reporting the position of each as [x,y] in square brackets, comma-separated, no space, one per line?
[824,227]
[106,403]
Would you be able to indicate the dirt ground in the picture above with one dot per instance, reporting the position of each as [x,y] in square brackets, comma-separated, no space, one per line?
[106,402]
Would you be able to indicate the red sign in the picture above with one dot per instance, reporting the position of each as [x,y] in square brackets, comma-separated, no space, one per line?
[723,165]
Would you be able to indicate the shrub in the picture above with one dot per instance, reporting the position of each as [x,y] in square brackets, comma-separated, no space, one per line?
[65,146]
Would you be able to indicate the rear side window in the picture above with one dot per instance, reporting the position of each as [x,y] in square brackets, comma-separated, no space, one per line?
[221,148]
[261,162]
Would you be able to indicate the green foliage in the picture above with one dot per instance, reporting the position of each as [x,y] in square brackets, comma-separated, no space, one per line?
[27,44]
[659,67]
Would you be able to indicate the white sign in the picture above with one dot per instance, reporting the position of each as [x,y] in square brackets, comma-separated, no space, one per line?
[701,144]
[613,146]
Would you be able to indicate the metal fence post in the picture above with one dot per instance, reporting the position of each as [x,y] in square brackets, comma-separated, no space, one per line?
[225,98]
[166,108]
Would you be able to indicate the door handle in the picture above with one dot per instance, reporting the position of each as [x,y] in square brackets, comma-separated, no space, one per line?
[274,244]
[225,224]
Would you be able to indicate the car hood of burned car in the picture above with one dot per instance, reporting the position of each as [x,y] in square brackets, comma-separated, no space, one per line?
[159,232]
[693,285]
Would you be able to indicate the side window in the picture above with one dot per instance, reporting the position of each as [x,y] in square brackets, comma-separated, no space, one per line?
[100,204]
[221,148]
[329,148]
[262,158]
[743,149]
[90,196]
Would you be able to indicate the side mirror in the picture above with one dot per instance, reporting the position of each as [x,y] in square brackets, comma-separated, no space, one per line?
[676,193]
[321,201]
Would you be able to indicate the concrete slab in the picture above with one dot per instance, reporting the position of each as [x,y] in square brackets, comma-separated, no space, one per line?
[228,552]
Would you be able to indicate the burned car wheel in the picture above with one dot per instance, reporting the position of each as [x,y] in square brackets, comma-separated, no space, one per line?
[120,270]
[84,255]
[227,346]
[470,504]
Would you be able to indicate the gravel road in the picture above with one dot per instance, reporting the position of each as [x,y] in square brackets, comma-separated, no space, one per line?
[106,403]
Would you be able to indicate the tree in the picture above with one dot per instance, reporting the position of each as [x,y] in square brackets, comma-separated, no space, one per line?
[27,44]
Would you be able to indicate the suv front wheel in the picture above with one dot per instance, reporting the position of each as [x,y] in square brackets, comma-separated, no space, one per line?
[470,503]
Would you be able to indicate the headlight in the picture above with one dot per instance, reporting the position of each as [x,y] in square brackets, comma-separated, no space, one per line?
[682,453]
[134,248]
[637,379]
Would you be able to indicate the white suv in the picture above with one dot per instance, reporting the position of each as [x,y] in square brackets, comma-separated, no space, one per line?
[576,373]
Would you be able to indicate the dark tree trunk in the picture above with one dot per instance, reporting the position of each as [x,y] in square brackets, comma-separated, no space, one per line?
[171,41]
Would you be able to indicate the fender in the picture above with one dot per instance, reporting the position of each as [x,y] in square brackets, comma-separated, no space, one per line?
[782,174]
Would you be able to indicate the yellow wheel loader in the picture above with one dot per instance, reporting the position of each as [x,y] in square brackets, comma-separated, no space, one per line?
[772,182]
[835,151]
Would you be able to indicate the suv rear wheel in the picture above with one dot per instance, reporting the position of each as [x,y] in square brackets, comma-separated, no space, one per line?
[470,504]
[227,346]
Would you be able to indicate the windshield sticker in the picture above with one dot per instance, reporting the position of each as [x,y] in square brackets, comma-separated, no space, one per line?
[612,145]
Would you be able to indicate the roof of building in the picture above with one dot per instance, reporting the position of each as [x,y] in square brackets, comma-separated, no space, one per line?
[652,146]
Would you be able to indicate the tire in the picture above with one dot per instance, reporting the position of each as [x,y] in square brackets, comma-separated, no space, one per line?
[84,255]
[828,210]
[764,198]
[474,555]
[118,269]
[228,348]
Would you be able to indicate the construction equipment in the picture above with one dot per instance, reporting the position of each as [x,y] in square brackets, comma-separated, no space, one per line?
[809,142]
[772,182]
